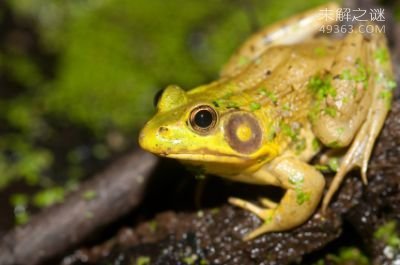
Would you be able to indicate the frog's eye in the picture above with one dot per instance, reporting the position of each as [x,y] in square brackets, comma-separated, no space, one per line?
[203,118]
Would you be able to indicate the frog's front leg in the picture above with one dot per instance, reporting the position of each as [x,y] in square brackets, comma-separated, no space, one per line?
[289,31]
[304,186]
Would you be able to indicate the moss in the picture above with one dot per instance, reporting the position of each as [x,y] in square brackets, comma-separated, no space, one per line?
[20,203]
[397,13]
[388,234]
[142,260]
[153,226]
[89,195]
[349,255]
[48,197]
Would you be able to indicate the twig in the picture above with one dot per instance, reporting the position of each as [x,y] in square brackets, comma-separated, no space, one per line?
[114,192]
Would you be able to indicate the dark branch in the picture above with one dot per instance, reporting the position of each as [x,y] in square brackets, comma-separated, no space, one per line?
[115,192]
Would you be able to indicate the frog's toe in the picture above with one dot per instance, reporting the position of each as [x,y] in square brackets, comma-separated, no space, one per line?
[259,211]
[264,228]
[268,203]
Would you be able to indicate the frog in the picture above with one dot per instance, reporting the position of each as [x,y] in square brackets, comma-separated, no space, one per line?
[286,95]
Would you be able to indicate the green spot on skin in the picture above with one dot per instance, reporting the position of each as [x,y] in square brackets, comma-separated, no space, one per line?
[387,97]
[381,55]
[296,180]
[273,97]
[354,92]
[331,111]
[314,112]
[321,87]
[346,75]
[334,144]
[227,95]
[320,51]
[361,75]
[286,106]
[301,196]
[254,106]
[268,220]
[391,84]
[217,103]
[316,144]
[362,72]
[288,131]
[334,164]
[225,102]
[232,105]
[271,134]
[243,61]
[323,168]
[301,145]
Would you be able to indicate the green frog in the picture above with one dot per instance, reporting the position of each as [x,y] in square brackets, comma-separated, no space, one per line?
[286,93]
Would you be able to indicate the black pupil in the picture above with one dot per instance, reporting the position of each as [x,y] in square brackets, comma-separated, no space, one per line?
[203,118]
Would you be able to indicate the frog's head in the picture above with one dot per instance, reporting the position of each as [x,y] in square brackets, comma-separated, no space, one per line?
[189,128]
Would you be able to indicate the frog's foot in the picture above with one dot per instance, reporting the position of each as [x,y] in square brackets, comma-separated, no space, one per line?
[376,95]
[268,203]
[357,156]
[263,213]
[330,154]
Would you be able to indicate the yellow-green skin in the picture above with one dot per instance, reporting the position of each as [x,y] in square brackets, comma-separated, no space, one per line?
[289,93]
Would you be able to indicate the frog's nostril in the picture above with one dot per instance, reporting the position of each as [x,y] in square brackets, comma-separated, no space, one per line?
[162,130]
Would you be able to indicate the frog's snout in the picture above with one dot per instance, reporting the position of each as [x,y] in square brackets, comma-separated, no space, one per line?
[150,138]
[147,139]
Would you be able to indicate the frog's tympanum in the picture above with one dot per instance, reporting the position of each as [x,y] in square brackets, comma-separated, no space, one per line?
[286,94]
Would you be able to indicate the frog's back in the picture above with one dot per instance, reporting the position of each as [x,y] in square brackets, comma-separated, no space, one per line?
[278,79]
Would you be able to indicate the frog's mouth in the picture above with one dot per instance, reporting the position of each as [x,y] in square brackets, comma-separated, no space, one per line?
[218,158]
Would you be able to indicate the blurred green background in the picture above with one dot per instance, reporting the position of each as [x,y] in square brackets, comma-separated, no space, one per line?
[77,80]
